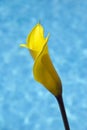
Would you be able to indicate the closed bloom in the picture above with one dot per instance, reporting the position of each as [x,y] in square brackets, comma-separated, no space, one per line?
[43,69]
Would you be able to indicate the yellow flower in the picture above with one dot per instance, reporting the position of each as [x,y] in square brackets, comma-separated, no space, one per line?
[43,69]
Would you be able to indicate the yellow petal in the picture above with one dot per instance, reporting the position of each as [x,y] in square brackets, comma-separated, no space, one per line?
[45,73]
[43,69]
[36,38]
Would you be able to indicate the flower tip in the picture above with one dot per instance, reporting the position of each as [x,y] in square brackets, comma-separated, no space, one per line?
[39,24]
[48,35]
[47,38]
[23,45]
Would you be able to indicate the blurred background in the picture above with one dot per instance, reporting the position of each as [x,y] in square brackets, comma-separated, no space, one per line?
[24,103]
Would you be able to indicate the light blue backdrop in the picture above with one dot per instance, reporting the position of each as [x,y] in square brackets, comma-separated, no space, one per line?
[24,103]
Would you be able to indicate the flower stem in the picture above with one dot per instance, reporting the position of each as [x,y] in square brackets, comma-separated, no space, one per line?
[63,112]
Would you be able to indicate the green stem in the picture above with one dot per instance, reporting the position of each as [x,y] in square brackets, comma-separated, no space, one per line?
[63,112]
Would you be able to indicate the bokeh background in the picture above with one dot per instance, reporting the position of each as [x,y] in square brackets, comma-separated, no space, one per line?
[24,103]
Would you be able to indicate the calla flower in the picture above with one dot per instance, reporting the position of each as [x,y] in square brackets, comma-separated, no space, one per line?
[43,69]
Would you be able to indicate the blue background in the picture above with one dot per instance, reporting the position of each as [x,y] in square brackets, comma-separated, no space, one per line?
[24,103]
